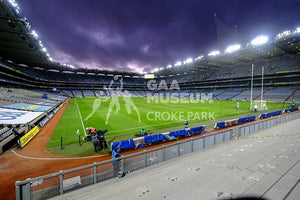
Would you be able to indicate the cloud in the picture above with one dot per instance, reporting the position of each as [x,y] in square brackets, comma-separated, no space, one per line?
[135,35]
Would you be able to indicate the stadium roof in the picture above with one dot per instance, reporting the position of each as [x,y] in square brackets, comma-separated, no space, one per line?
[20,44]
[16,42]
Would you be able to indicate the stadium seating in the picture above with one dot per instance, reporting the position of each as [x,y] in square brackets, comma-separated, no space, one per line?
[278,94]
[4,133]
[296,97]
[229,94]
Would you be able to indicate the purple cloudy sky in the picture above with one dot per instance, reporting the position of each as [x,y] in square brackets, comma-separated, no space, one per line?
[140,35]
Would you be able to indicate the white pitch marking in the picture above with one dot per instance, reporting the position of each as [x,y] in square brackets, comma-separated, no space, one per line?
[66,158]
[80,118]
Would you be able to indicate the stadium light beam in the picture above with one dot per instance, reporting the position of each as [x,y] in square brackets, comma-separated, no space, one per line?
[178,64]
[232,48]
[169,66]
[297,30]
[189,60]
[259,40]
[156,70]
[35,35]
[284,33]
[199,57]
[214,53]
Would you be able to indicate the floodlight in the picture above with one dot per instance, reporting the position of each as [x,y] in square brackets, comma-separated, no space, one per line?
[41,44]
[44,49]
[189,60]
[13,3]
[169,66]
[297,30]
[232,48]
[161,68]
[156,70]
[199,57]
[178,63]
[259,40]
[214,53]
[34,34]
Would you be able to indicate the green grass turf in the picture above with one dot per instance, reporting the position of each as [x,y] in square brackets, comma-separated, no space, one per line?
[123,125]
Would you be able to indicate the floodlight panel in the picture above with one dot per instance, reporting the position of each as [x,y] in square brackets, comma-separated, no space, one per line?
[199,57]
[189,60]
[232,48]
[178,63]
[169,66]
[259,40]
[34,34]
[214,53]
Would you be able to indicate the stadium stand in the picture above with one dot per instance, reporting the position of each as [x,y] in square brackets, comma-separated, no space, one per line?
[229,94]
[88,93]
[296,97]
[4,133]
[32,78]
[246,94]
[278,94]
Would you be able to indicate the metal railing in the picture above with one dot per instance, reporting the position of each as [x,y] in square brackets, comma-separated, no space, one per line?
[64,181]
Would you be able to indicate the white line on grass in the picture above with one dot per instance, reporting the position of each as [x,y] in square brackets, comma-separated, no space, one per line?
[80,117]
[155,125]
[65,158]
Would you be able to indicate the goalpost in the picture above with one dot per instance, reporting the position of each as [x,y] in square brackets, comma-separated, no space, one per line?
[259,104]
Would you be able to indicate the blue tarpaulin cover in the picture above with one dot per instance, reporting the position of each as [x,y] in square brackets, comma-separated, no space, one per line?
[154,138]
[139,146]
[125,144]
[246,119]
[197,130]
[291,109]
[220,124]
[178,133]
[270,114]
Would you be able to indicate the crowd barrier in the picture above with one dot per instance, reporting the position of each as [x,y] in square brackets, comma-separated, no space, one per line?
[56,184]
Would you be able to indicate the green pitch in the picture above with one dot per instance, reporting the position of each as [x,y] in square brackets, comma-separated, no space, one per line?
[123,118]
